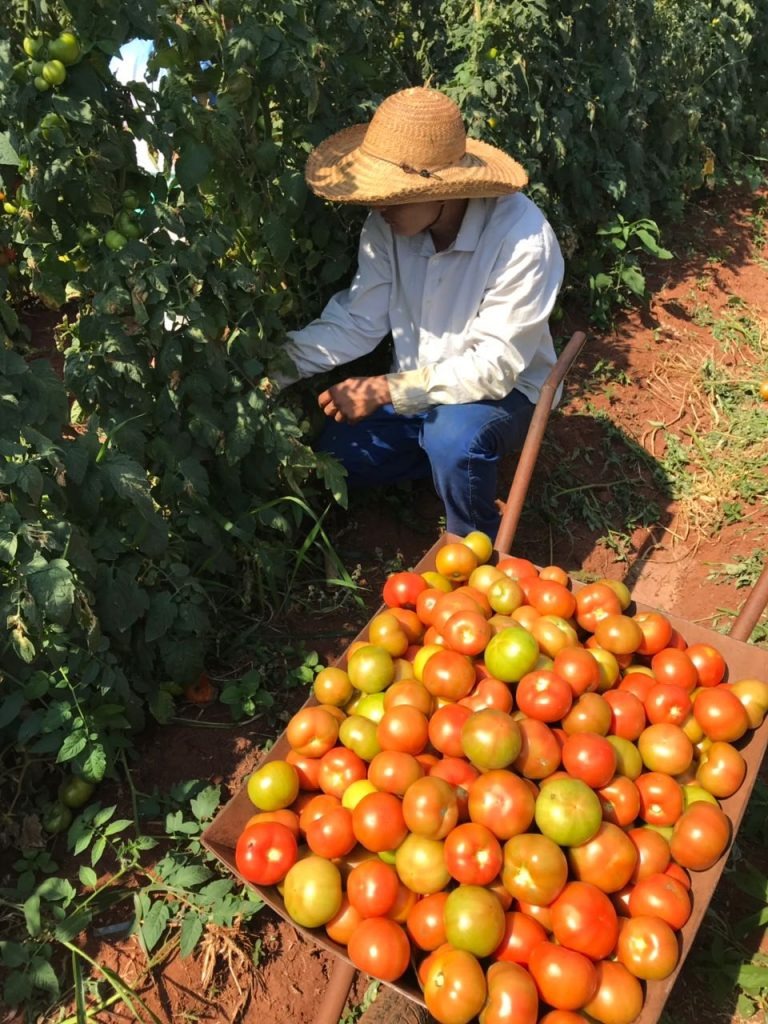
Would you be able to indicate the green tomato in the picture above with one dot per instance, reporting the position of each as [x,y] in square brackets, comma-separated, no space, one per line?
[127,226]
[10,207]
[57,818]
[568,812]
[40,84]
[74,792]
[312,891]
[54,72]
[511,654]
[65,49]
[33,45]
[474,919]
[130,199]
[35,67]
[87,235]
[115,241]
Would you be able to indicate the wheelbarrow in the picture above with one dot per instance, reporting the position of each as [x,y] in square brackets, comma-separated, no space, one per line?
[743,660]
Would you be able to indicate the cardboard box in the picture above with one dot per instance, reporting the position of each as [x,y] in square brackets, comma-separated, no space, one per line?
[744,661]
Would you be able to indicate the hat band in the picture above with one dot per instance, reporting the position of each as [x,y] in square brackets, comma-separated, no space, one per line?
[423,172]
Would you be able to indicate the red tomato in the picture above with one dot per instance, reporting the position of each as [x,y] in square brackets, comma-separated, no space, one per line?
[426,603]
[606,861]
[709,662]
[378,823]
[657,632]
[720,714]
[673,666]
[584,919]
[489,693]
[535,869]
[265,851]
[403,728]
[618,634]
[502,802]
[449,675]
[426,923]
[721,769]
[411,625]
[619,996]
[342,925]
[578,668]
[331,835]
[430,808]
[411,693]
[380,947]
[473,854]
[372,887]
[512,996]
[445,727]
[647,947]
[667,702]
[316,807]
[454,984]
[467,632]
[652,852]
[566,979]
[637,683]
[627,714]
[286,817]
[393,771]
[521,934]
[339,768]
[661,896]
[594,602]
[661,798]
[540,750]
[700,837]
[549,597]
[544,695]
[461,775]
[307,769]
[517,568]
[589,757]
[402,589]
[590,713]
[620,800]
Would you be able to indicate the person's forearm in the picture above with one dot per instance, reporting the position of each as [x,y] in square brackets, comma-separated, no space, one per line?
[355,398]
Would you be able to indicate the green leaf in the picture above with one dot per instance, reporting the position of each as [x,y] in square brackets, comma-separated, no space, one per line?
[72,745]
[13,954]
[102,816]
[10,707]
[154,924]
[634,280]
[88,876]
[97,850]
[188,875]
[53,589]
[32,915]
[17,989]
[94,765]
[193,163]
[191,931]
[752,978]
[204,805]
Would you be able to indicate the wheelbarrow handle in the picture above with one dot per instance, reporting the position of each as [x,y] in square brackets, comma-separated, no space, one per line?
[336,993]
[533,439]
[751,610]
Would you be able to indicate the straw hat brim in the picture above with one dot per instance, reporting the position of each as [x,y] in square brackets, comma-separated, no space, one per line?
[341,170]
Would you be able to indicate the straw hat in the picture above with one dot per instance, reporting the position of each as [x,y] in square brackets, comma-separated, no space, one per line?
[415,149]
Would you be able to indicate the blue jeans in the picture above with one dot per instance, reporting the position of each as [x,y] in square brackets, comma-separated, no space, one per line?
[458,445]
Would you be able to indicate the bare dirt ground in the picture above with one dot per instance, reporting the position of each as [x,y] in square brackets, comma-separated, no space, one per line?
[637,377]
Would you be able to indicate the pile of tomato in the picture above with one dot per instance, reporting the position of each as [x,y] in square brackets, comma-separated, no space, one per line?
[506,787]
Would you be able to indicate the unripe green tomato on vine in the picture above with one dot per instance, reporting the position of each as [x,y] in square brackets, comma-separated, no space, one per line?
[115,240]
[33,45]
[40,84]
[66,48]
[54,72]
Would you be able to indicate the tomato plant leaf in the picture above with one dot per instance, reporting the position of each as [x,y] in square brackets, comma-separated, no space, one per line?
[52,587]
[154,924]
[191,930]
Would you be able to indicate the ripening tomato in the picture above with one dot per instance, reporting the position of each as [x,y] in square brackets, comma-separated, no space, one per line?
[584,919]
[620,801]
[401,589]
[535,869]
[358,733]
[667,702]
[473,854]
[521,934]
[426,921]
[618,634]
[606,861]
[505,595]
[589,757]
[371,668]
[380,947]
[312,731]
[454,985]
[720,714]
[647,947]
[409,692]
[403,728]
[552,633]
[665,748]
[565,979]
[517,568]
[332,686]
[264,852]
[589,713]
[628,760]
[445,728]
[511,653]
[489,693]
[339,768]
[274,785]
[461,775]
[753,694]
[661,896]
[619,995]
[372,887]
[378,823]
[430,807]
[512,996]
[312,891]
[307,769]
[286,817]
[467,632]
[652,852]
[474,919]
[385,630]
[456,561]
[556,573]
[700,836]
[549,597]
[342,924]
[420,864]
[331,835]
[490,739]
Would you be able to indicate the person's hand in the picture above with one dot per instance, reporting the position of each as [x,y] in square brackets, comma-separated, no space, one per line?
[354,398]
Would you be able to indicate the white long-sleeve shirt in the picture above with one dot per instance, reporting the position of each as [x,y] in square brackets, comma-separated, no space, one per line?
[467,323]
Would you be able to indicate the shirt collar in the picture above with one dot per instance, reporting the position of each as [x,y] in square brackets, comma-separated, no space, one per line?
[468,237]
